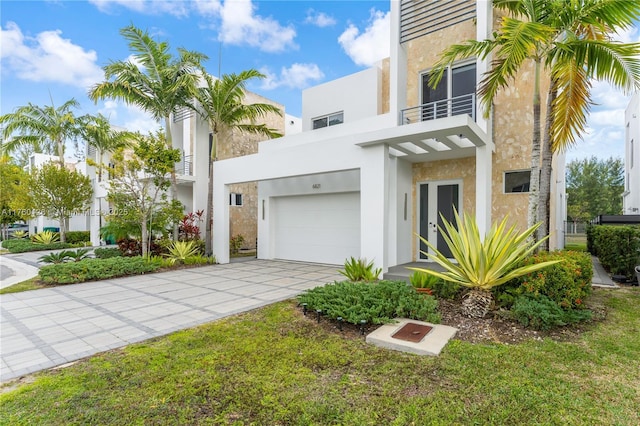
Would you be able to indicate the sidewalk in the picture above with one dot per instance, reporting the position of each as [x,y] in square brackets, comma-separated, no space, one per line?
[600,276]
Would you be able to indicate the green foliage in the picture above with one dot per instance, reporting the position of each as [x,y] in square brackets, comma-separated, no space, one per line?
[160,261]
[542,313]
[20,234]
[376,303]
[107,252]
[483,264]
[95,269]
[179,251]
[23,246]
[74,237]
[78,255]
[45,237]
[235,244]
[360,270]
[419,279]
[567,282]
[200,259]
[55,257]
[13,204]
[594,187]
[617,247]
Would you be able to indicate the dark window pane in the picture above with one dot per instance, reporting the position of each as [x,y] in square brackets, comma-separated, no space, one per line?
[336,119]
[517,181]
[319,123]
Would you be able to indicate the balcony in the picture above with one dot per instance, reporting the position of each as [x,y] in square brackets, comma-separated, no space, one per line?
[185,167]
[459,105]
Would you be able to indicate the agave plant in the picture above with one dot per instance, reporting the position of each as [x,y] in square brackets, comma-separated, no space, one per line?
[20,234]
[45,237]
[55,257]
[181,250]
[482,264]
[360,270]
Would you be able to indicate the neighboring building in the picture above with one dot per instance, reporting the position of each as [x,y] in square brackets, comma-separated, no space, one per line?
[631,195]
[381,155]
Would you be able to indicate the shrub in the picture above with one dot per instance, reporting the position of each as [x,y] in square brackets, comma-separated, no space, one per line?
[94,269]
[74,237]
[360,270]
[56,257]
[567,283]
[542,313]
[133,247]
[439,288]
[376,303]
[77,255]
[617,247]
[200,259]
[181,250]
[235,244]
[22,246]
[107,252]
[45,237]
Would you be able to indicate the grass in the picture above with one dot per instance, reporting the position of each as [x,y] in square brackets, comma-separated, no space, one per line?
[30,284]
[273,366]
[576,246]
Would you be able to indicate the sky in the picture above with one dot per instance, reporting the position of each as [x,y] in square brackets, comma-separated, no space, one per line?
[52,51]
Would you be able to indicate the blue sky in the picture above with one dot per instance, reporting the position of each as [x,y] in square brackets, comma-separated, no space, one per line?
[55,50]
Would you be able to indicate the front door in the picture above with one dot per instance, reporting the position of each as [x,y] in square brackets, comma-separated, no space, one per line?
[436,200]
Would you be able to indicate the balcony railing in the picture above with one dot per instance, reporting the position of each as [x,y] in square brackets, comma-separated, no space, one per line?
[185,167]
[465,104]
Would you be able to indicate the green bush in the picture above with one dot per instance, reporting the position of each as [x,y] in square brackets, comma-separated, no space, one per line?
[107,252]
[95,269]
[22,246]
[235,244]
[542,313]
[617,247]
[376,303]
[74,237]
[439,288]
[567,283]
[360,270]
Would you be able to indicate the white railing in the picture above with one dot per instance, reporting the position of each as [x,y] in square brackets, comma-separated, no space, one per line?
[465,104]
[185,167]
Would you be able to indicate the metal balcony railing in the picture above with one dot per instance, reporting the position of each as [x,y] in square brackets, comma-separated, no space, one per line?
[465,104]
[185,167]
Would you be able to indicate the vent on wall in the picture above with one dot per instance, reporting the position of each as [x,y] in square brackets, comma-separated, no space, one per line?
[421,17]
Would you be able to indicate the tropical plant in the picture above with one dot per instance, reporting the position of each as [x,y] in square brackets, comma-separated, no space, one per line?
[58,192]
[482,264]
[220,103]
[78,255]
[419,279]
[570,43]
[153,80]
[14,204]
[20,234]
[45,237]
[46,129]
[179,251]
[55,257]
[188,227]
[235,243]
[360,270]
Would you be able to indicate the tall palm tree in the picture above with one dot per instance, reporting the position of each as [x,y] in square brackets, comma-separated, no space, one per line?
[220,103]
[155,81]
[568,43]
[98,133]
[45,127]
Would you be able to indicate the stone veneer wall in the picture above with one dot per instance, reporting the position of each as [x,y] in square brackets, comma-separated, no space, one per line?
[243,219]
[512,123]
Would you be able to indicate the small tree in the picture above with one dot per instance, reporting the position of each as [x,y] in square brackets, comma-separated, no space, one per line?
[12,179]
[594,187]
[138,187]
[59,192]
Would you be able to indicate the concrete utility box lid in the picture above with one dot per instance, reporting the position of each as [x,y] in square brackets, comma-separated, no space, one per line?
[435,336]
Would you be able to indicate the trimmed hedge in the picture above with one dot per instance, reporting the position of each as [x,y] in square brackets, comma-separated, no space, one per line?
[95,269]
[617,247]
[376,303]
[542,313]
[107,252]
[74,237]
[22,246]
[567,283]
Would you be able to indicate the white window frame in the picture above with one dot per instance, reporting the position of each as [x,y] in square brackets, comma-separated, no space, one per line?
[236,199]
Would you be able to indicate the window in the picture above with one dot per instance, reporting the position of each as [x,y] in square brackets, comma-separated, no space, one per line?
[454,95]
[328,120]
[235,199]
[517,181]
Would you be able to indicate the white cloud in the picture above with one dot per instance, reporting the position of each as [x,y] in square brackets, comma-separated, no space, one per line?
[297,76]
[319,19]
[48,57]
[370,46]
[241,26]
[207,7]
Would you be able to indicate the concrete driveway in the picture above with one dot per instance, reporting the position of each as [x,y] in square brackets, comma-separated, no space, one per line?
[45,328]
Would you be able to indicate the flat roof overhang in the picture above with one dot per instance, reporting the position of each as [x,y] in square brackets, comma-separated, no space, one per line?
[441,139]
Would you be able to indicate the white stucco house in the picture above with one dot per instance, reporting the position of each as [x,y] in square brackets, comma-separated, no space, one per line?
[631,195]
[381,155]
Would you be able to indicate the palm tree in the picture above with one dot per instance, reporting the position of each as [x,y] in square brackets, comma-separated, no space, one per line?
[99,134]
[567,41]
[155,81]
[45,127]
[220,103]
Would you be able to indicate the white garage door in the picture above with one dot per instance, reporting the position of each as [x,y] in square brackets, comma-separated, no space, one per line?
[323,228]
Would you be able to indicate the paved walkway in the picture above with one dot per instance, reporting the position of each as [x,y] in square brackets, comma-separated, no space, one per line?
[600,276]
[50,327]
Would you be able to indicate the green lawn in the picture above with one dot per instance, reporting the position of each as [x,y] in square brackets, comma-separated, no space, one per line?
[30,284]
[274,367]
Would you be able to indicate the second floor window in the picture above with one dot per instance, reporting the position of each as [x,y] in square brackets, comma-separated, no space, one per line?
[328,120]
[454,95]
